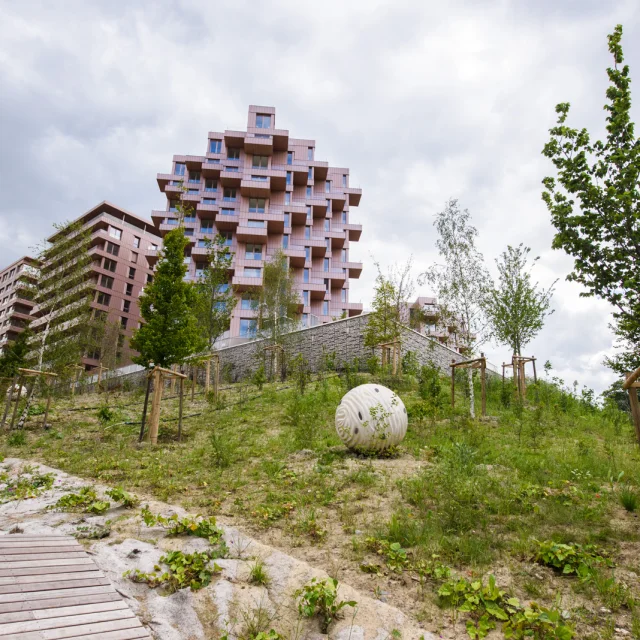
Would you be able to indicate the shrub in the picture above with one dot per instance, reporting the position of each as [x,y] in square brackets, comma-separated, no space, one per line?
[175,526]
[85,500]
[259,377]
[258,574]
[128,500]
[105,414]
[571,559]
[410,364]
[373,365]
[17,438]
[321,598]
[629,499]
[25,486]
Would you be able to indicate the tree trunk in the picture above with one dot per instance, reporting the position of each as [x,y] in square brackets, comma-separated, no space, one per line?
[25,411]
[472,409]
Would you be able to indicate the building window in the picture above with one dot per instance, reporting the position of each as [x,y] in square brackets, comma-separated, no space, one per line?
[246,304]
[309,153]
[103,298]
[136,242]
[173,205]
[327,244]
[344,180]
[149,278]
[128,291]
[228,237]
[260,162]
[307,253]
[328,206]
[200,269]
[288,177]
[210,185]
[344,217]
[256,223]
[215,146]
[188,232]
[132,273]
[327,186]
[229,194]
[325,308]
[233,154]
[123,322]
[109,265]
[263,121]
[115,233]
[305,298]
[257,205]
[247,328]
[179,169]
[126,305]
[194,176]
[259,178]
[289,157]
[253,252]
[325,264]
[307,233]
[310,174]
[134,257]
[232,169]
[343,255]
[326,284]
[343,295]
[208,200]
[285,242]
[252,272]
[305,275]
[327,224]
[113,249]
[309,192]
[206,226]
[287,219]
[106,282]
[287,197]
[228,212]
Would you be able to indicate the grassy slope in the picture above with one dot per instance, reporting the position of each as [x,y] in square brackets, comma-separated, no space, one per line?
[477,494]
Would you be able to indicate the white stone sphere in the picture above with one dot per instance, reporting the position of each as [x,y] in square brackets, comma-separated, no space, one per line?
[372,418]
[15,389]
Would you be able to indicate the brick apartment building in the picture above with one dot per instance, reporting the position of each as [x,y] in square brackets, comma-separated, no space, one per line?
[263,191]
[16,302]
[119,244]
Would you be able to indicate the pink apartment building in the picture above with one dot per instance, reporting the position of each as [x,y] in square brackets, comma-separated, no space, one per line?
[263,191]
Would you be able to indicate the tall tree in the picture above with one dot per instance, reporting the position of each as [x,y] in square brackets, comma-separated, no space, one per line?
[461,281]
[516,307]
[384,321]
[15,354]
[170,331]
[216,299]
[277,302]
[401,277]
[594,205]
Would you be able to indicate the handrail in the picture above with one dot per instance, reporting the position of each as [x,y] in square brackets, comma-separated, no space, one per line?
[628,383]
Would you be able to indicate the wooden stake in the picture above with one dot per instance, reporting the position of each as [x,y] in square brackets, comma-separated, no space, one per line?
[635,407]
[453,385]
[535,375]
[172,388]
[154,420]
[516,383]
[483,367]
[207,378]
[15,407]
[144,410]
[46,411]
[9,400]
[180,410]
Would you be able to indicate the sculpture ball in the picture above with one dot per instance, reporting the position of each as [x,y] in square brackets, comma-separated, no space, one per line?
[371,418]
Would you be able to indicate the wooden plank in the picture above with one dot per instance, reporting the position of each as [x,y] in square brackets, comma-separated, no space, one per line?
[123,634]
[65,622]
[72,592]
[68,583]
[18,538]
[14,550]
[32,571]
[70,610]
[97,628]
[60,622]
[34,555]
[54,603]
[44,563]
[91,572]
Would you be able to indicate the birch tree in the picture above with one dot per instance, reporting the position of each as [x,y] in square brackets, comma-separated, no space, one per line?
[460,281]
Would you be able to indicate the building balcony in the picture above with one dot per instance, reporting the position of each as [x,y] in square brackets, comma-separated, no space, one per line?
[244,283]
[207,209]
[320,169]
[316,289]
[255,188]
[298,213]
[234,138]
[352,308]
[172,191]
[355,231]
[297,256]
[355,268]
[280,139]
[338,278]
[338,200]
[252,234]
[354,195]
[165,178]
[319,206]
[226,222]
[230,178]
[274,221]
[278,179]
[300,174]
[258,146]
[337,238]
[211,169]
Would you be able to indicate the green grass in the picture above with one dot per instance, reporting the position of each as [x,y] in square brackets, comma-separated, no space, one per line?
[474,493]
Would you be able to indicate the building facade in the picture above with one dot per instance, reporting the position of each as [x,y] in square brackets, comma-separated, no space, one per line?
[119,244]
[16,298]
[263,190]
[424,316]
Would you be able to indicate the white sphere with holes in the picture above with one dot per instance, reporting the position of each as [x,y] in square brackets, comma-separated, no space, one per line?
[372,418]
[15,390]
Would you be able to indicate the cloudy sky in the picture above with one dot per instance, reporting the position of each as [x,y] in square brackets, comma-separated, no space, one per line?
[422,100]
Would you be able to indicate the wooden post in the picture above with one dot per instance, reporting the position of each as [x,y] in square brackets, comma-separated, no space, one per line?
[15,407]
[207,378]
[516,383]
[172,387]
[46,411]
[181,383]
[632,390]
[453,385]
[144,409]
[154,419]
[75,382]
[483,382]
[99,377]
[535,376]
[216,377]
[9,399]
[522,378]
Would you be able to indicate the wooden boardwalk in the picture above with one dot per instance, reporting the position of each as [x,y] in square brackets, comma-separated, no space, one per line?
[51,589]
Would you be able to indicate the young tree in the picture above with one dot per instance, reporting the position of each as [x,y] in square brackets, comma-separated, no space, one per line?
[594,205]
[400,277]
[460,283]
[516,307]
[170,332]
[277,302]
[15,354]
[384,322]
[216,299]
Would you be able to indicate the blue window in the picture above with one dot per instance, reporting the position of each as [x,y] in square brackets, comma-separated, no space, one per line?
[287,219]
[213,160]
[344,180]
[210,185]
[305,275]
[253,252]
[288,177]
[327,224]
[263,121]
[189,219]
[229,194]
[309,213]
[257,205]
[305,298]
[228,212]
[344,217]
[310,174]
[247,328]
[179,170]
[287,197]
[289,157]
[325,264]
[228,239]
[233,154]
[307,233]
[206,227]
[208,200]
[252,272]
[215,146]
[285,242]
[246,303]
[194,176]
[308,192]
[173,205]
[223,288]
[307,253]
[259,178]
[233,169]
[310,153]
[325,308]
[256,223]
